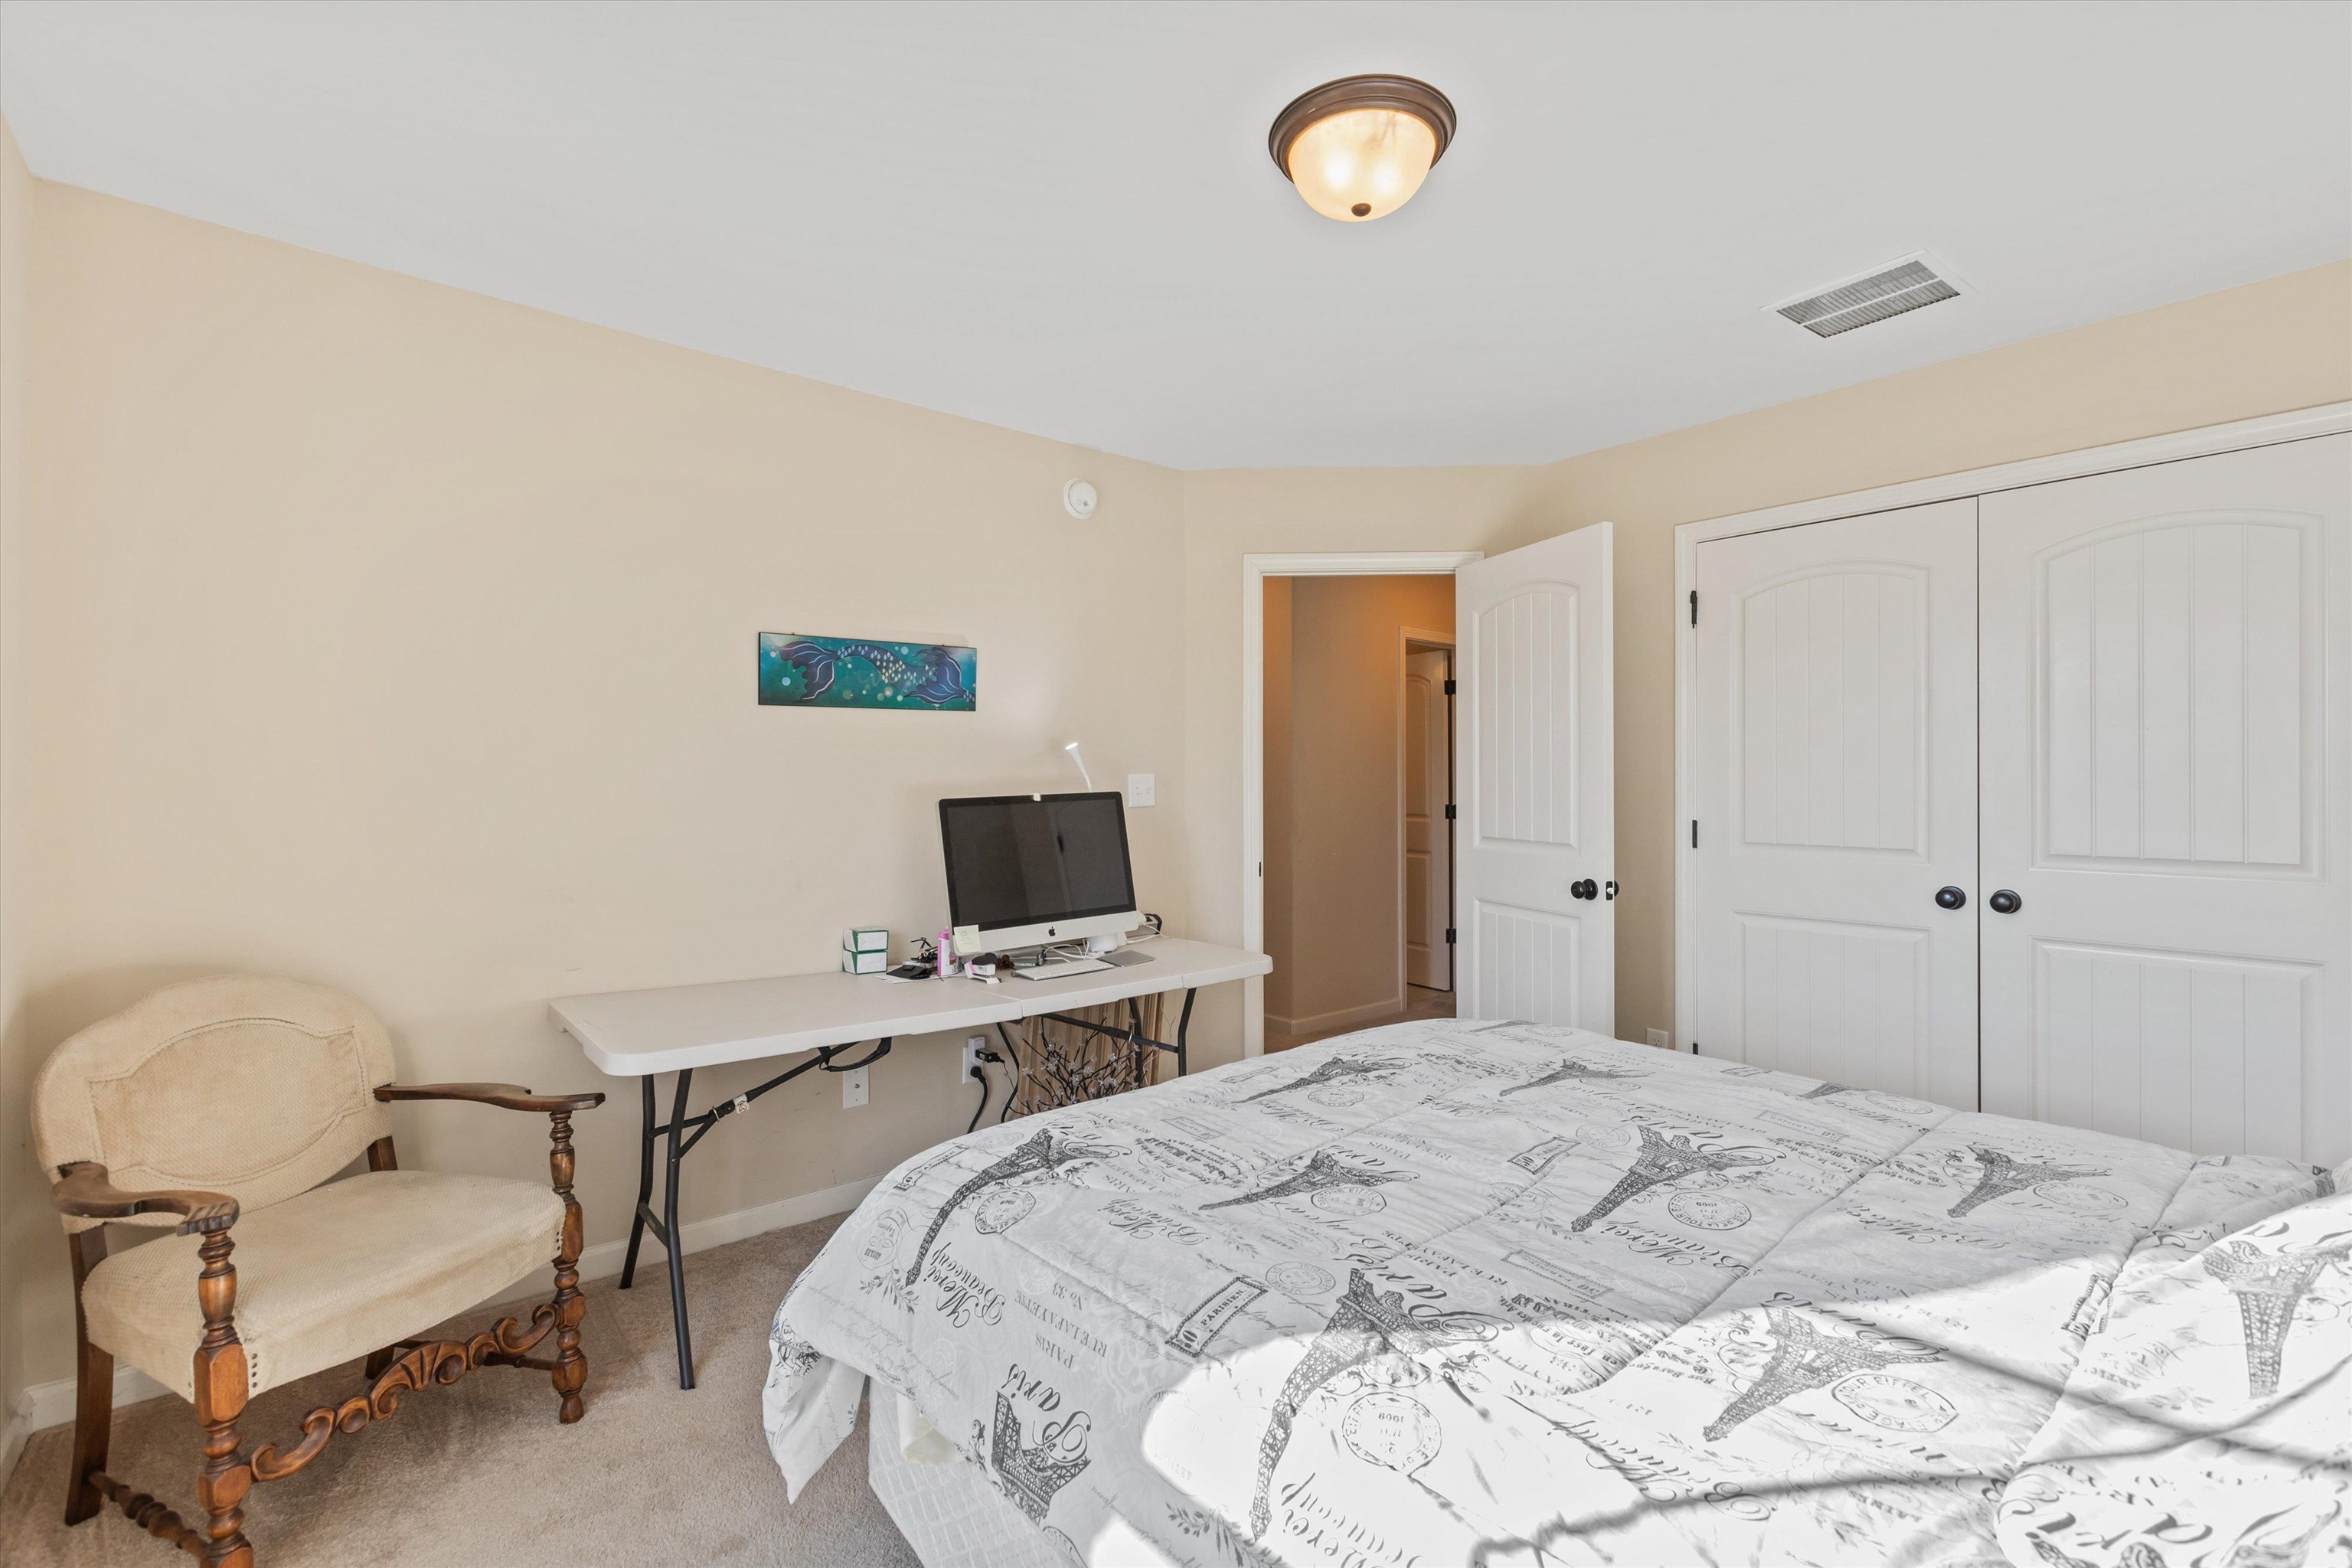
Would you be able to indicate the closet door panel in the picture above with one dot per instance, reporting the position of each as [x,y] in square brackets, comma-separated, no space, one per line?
[2165,728]
[1835,792]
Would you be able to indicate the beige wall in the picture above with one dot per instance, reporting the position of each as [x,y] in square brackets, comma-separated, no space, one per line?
[2263,349]
[23,1211]
[402,639]
[1334,877]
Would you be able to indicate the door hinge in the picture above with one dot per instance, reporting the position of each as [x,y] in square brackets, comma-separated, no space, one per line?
[1694,833]
[1261,868]
[1449,686]
[1694,606]
[1449,811]
[1449,936]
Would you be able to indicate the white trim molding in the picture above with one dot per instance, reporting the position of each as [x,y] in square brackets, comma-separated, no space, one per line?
[1408,639]
[2270,430]
[1256,570]
[1344,1018]
[46,1404]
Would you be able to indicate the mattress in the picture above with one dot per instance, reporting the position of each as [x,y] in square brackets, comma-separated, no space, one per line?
[1492,1292]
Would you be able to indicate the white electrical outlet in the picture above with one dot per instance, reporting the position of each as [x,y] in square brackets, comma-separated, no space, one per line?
[969,1068]
[1658,1038]
[1142,789]
[853,1090]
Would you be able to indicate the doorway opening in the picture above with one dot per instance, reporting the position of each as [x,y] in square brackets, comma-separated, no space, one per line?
[1358,801]
[1534,835]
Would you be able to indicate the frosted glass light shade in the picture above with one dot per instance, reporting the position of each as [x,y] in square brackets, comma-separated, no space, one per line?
[1363,163]
[1358,148]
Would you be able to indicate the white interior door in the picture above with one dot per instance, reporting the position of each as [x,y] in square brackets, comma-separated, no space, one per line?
[1535,927]
[1428,836]
[2167,762]
[1835,791]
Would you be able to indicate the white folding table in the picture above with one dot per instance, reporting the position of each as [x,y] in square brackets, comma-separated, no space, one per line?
[677,1028]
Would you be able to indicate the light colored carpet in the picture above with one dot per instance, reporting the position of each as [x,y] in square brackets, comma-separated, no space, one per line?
[481,1473]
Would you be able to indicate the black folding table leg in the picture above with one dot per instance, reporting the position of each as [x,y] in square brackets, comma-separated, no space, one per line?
[645,1184]
[672,1242]
[1183,1023]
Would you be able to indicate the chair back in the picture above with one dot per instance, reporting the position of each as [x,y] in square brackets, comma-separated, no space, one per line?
[241,1084]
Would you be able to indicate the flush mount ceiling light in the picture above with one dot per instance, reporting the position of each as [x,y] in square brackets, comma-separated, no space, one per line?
[1357,148]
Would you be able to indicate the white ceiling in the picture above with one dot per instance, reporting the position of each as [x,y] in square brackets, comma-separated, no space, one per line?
[1062,218]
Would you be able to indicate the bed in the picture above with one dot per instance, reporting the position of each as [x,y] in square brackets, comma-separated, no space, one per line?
[1459,1292]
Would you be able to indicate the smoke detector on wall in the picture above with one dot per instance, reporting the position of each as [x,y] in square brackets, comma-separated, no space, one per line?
[1910,284]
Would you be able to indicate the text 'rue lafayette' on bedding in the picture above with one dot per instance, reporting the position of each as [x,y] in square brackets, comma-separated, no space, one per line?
[1455,1292]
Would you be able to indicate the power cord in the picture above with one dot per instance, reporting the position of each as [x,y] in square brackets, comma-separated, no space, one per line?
[980,1074]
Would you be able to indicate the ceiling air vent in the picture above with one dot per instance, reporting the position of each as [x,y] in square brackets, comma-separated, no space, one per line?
[1890,292]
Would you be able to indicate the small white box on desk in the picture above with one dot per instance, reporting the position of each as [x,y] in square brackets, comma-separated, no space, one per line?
[865,939]
[864,963]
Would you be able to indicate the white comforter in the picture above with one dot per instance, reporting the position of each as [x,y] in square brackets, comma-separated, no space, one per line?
[1458,1292]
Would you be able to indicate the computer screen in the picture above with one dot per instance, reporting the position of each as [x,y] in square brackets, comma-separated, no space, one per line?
[1027,860]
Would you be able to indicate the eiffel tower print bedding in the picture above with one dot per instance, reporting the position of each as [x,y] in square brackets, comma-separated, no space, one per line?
[1496,1293]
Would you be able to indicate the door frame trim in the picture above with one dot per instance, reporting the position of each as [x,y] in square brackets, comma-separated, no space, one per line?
[1256,570]
[2238,436]
[1406,638]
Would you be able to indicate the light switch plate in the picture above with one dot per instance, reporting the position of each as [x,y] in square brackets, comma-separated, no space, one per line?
[1658,1038]
[1142,789]
[853,1090]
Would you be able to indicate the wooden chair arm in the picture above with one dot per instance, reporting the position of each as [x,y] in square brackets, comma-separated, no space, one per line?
[83,1191]
[505,1096]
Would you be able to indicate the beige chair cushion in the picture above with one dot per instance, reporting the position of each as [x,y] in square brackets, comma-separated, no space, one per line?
[331,1275]
[239,1083]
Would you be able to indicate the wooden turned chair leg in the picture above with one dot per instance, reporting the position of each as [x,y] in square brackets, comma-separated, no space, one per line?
[93,1389]
[220,1378]
[571,1373]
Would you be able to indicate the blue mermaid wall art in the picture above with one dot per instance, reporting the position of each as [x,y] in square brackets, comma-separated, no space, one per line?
[798,670]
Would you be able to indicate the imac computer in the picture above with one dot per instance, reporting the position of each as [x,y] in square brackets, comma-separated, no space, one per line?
[1025,870]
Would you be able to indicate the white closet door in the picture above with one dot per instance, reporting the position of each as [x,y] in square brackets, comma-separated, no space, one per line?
[1538,933]
[2167,759]
[1834,783]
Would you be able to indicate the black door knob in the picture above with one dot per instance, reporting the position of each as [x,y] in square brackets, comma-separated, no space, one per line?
[2005,901]
[1950,897]
[1587,889]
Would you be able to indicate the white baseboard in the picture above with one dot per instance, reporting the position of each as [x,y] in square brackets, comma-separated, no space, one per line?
[1345,1018]
[51,1403]
[603,1261]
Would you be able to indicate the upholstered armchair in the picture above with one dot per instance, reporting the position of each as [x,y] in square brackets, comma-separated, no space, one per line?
[222,1109]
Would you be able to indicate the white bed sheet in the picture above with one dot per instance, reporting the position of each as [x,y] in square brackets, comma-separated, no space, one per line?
[1455,1292]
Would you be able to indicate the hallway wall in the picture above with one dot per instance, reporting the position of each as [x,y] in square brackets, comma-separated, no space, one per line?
[1334,878]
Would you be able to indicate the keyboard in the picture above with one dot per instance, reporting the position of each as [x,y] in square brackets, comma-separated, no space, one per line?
[1064,967]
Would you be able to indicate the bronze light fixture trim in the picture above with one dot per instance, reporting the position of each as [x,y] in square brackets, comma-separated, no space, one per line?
[1357,148]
